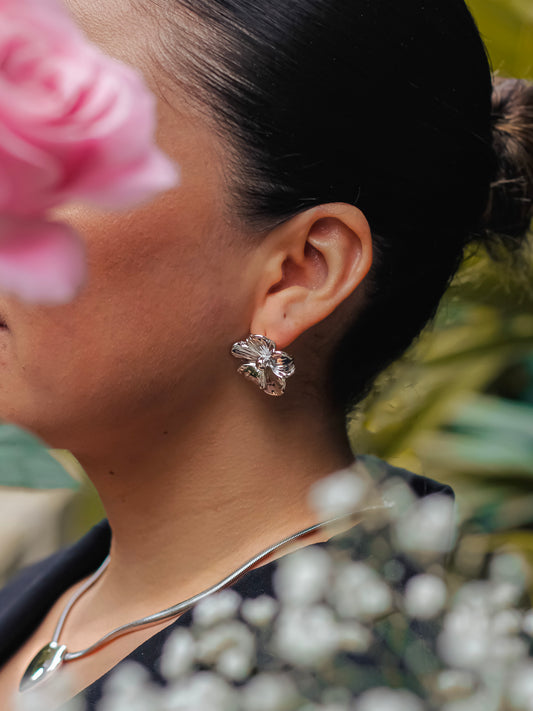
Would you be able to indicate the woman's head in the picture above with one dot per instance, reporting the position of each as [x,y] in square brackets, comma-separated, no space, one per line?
[382,105]
[336,158]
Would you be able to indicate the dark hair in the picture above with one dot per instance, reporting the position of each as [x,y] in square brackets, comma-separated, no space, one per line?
[383,104]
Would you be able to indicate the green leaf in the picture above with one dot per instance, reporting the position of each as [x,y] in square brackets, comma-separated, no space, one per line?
[26,462]
[479,454]
[492,418]
[507,28]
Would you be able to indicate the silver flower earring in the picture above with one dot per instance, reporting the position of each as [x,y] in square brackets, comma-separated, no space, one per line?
[266,366]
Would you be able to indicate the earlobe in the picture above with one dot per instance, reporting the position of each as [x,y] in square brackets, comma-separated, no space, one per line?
[315,261]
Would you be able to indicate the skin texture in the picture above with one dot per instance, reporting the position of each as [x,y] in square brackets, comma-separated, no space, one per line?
[197,469]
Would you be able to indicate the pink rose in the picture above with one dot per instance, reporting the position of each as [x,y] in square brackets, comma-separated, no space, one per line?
[40,260]
[75,124]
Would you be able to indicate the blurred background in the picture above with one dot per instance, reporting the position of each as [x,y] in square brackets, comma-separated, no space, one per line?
[457,408]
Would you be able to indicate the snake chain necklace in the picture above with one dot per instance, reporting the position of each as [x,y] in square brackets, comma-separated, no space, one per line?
[54,654]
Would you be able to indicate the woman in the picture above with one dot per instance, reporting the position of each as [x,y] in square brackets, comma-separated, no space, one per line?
[336,160]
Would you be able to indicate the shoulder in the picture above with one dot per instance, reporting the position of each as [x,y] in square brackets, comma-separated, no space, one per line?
[381,471]
[25,600]
[76,558]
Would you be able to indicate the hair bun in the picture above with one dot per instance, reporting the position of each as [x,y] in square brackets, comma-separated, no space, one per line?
[510,206]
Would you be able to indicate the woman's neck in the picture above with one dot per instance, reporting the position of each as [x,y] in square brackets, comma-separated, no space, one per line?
[191,502]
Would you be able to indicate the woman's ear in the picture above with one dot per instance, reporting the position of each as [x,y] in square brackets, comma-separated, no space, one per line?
[306,267]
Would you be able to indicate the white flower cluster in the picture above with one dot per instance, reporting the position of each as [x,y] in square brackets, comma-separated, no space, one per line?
[302,651]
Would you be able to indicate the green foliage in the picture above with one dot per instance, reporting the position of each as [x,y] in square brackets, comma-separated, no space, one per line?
[507,29]
[25,462]
[459,406]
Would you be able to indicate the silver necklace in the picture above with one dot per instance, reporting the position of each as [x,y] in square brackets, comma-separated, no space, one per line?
[54,655]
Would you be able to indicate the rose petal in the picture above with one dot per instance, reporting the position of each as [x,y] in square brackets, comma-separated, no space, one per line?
[132,186]
[40,260]
[75,123]
[27,175]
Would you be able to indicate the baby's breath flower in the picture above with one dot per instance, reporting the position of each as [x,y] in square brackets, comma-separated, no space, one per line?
[216,608]
[504,595]
[340,493]
[204,691]
[509,650]
[482,700]
[270,692]
[428,526]
[129,689]
[465,638]
[488,596]
[230,646]
[329,604]
[527,623]
[425,596]
[359,592]
[354,637]
[480,629]
[475,595]
[259,611]
[306,636]
[235,664]
[520,690]
[455,683]
[129,677]
[507,622]
[303,577]
[399,496]
[178,655]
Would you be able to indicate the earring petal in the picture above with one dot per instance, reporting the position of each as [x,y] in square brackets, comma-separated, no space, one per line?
[274,385]
[243,350]
[252,372]
[263,345]
[253,348]
[282,364]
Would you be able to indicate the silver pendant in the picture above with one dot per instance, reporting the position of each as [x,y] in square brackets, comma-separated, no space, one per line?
[43,665]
